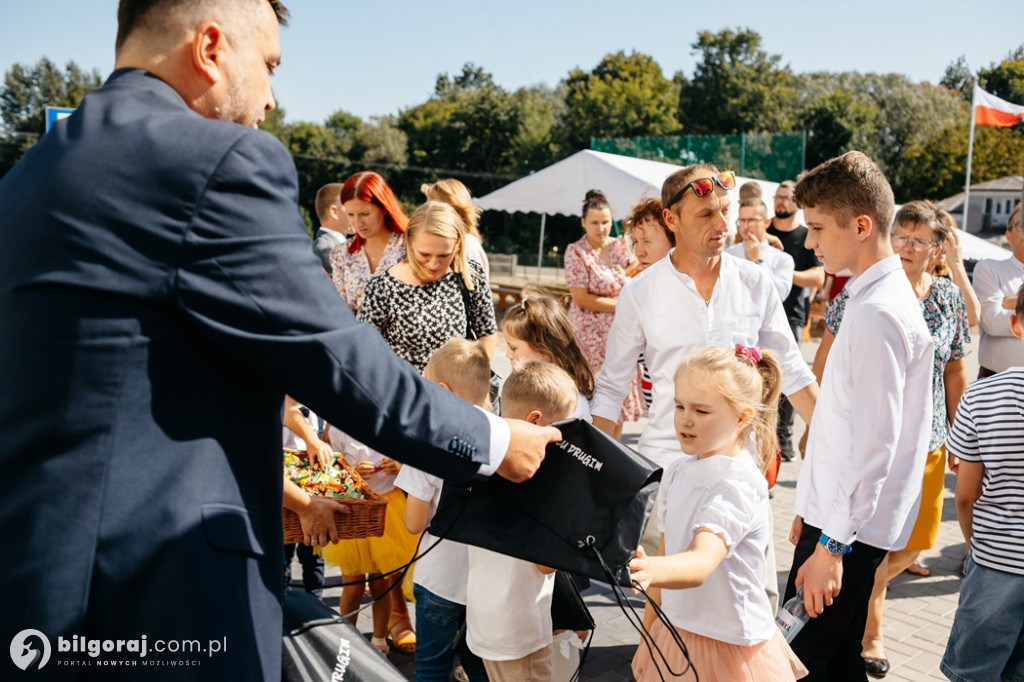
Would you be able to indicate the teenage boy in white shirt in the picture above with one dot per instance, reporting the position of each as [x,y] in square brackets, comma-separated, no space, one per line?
[861,481]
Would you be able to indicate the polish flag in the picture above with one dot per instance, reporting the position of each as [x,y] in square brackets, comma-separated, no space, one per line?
[989,110]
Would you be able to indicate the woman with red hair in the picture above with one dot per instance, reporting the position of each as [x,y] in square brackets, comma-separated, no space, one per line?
[379,223]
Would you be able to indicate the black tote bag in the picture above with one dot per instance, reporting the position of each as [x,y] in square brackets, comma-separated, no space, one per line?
[586,506]
[320,645]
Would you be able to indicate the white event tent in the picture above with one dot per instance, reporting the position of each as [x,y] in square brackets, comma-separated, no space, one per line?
[560,188]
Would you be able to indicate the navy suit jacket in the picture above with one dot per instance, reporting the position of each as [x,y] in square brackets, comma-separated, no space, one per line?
[158,296]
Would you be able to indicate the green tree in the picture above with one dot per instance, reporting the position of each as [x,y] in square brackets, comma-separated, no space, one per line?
[736,87]
[624,96]
[381,142]
[468,124]
[837,123]
[28,90]
[959,78]
[906,115]
[24,96]
[536,142]
[938,168]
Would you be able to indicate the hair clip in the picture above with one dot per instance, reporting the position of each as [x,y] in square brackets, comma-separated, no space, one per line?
[522,304]
[751,353]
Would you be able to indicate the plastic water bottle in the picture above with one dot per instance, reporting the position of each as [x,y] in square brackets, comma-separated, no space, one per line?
[792,617]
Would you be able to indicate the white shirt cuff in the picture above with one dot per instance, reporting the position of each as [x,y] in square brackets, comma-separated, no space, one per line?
[501,436]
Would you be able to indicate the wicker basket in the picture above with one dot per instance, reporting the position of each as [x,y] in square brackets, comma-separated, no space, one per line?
[366,519]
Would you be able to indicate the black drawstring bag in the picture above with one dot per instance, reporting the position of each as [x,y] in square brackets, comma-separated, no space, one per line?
[321,645]
[589,500]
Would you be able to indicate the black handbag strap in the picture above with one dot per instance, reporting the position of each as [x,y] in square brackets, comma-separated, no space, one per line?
[470,334]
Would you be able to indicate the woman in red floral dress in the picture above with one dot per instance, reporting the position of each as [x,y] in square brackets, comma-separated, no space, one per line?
[596,268]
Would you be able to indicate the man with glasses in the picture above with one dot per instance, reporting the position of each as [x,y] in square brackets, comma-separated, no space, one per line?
[808,274]
[753,224]
[996,283]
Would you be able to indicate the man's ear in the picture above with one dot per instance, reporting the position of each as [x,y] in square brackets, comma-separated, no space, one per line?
[1015,327]
[207,50]
[534,416]
[865,226]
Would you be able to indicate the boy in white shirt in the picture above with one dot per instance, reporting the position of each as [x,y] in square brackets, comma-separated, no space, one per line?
[508,600]
[866,448]
[439,582]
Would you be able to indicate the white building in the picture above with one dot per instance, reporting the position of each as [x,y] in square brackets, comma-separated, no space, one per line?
[992,203]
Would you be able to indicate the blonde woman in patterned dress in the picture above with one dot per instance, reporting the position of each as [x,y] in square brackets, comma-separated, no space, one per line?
[596,268]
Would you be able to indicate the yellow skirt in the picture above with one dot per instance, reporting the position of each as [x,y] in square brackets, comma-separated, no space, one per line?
[929,515]
[377,555]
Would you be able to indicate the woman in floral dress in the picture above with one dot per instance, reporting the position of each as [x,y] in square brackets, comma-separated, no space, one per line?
[379,222]
[596,268]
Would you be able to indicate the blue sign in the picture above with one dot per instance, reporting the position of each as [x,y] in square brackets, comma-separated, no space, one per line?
[54,114]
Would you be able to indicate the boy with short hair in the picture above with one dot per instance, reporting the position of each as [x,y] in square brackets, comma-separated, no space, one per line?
[988,438]
[508,600]
[861,480]
[439,582]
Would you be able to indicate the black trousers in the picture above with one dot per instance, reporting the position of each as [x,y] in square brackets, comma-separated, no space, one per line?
[829,645]
[786,414]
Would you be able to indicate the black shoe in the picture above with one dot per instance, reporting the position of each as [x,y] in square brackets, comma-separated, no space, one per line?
[787,456]
[876,667]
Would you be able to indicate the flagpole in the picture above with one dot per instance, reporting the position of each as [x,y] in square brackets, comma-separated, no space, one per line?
[970,155]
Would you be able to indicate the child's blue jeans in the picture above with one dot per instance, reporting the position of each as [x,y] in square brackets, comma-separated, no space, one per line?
[437,622]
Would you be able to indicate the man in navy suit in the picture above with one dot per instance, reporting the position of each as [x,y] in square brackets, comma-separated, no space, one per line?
[158,297]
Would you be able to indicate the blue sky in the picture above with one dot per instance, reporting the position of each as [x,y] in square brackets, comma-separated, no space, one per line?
[378,57]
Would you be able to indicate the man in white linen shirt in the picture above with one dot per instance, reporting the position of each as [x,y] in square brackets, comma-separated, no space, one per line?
[753,227]
[859,487]
[996,283]
[693,299]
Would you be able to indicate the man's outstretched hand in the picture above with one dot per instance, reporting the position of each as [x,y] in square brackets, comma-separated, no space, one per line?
[526,449]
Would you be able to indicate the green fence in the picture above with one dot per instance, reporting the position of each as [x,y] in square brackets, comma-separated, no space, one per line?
[767,156]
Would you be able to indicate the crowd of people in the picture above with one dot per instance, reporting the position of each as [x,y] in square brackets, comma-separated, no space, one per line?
[703,330]
[165,324]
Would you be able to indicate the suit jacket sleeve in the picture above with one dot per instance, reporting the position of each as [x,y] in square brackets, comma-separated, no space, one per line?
[247,278]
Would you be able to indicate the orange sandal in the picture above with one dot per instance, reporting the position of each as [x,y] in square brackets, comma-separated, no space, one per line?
[405,639]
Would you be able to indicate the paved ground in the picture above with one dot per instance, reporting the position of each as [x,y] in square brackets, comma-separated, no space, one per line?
[918,615]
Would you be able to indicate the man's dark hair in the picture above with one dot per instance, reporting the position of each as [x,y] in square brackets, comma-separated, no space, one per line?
[132,13]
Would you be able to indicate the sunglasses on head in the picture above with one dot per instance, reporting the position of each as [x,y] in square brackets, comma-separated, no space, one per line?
[703,187]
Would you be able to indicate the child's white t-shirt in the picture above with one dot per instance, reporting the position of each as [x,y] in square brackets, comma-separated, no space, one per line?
[444,569]
[508,606]
[356,452]
[582,409]
[729,496]
[292,440]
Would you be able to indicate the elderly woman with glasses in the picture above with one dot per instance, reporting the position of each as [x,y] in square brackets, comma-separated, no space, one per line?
[917,239]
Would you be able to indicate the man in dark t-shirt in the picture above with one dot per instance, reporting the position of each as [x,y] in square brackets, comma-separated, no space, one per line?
[808,274]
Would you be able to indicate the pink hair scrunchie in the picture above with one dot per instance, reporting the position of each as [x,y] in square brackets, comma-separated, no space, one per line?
[751,353]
